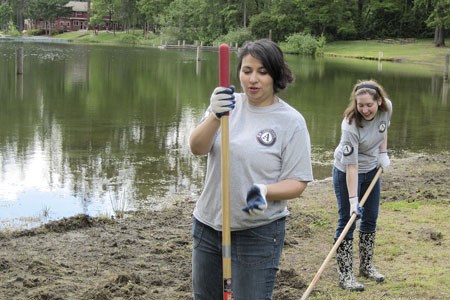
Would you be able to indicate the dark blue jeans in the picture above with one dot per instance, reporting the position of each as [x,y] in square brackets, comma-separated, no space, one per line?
[255,256]
[370,210]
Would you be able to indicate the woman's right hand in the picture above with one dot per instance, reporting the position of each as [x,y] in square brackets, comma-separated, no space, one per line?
[222,101]
[354,207]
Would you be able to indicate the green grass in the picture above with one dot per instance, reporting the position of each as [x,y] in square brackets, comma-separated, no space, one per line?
[131,38]
[401,205]
[412,51]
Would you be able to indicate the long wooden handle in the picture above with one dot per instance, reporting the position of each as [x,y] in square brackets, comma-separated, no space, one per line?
[341,237]
[224,80]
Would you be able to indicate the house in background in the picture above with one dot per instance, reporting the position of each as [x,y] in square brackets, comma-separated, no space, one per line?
[78,20]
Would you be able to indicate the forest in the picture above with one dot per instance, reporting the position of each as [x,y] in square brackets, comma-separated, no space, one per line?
[210,20]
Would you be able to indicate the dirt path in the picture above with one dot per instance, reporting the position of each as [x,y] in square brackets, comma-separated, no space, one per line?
[147,255]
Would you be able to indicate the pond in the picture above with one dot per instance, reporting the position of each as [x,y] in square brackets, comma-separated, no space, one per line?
[97,129]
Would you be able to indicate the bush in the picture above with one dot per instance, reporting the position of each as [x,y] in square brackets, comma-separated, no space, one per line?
[130,39]
[12,30]
[304,44]
[170,35]
[56,31]
[239,36]
[35,32]
[347,31]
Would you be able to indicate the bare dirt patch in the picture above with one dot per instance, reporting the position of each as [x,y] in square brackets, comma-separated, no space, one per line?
[147,255]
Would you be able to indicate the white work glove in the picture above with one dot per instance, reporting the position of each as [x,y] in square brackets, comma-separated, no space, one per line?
[354,207]
[256,200]
[222,101]
[383,161]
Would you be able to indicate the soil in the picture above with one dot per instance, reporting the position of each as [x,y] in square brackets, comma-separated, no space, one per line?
[147,255]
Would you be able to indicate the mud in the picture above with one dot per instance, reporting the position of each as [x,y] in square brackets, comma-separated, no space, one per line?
[147,255]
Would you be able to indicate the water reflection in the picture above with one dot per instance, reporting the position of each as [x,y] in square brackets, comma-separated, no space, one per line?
[92,129]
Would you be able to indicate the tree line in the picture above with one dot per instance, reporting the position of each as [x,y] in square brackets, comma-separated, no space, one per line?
[209,20]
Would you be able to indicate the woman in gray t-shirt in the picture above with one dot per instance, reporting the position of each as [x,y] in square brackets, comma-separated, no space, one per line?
[362,149]
[270,163]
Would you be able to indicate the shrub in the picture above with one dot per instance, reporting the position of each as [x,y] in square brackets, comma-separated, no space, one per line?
[12,30]
[239,36]
[55,31]
[130,39]
[35,32]
[170,35]
[304,44]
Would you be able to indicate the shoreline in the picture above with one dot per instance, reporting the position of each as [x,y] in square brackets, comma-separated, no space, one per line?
[433,60]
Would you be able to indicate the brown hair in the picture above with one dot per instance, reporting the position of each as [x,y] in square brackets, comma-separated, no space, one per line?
[272,59]
[370,87]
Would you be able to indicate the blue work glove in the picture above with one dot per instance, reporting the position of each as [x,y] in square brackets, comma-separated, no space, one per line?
[383,161]
[256,200]
[355,208]
[222,101]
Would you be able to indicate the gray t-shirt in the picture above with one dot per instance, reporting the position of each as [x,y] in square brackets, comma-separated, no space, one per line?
[361,146]
[267,144]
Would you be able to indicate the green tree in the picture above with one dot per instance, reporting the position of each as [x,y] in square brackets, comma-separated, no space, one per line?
[110,10]
[319,17]
[48,11]
[153,12]
[438,17]
[273,26]
[393,18]
[6,13]
[128,14]
[200,20]
[440,20]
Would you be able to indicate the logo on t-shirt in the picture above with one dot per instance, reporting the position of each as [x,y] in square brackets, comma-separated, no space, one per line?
[382,127]
[347,149]
[266,137]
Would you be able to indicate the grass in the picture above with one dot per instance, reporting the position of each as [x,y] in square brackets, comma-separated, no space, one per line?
[45,211]
[414,51]
[131,38]
[415,263]
[412,244]
[119,204]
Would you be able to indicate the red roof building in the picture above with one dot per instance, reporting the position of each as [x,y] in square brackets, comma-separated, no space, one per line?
[78,20]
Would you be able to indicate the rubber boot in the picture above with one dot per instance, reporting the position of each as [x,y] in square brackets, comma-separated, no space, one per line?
[344,257]
[366,246]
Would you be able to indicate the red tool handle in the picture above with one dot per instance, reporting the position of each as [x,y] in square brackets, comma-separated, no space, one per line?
[224,65]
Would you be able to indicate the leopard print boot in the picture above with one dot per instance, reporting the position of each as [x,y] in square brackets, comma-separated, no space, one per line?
[366,246]
[344,257]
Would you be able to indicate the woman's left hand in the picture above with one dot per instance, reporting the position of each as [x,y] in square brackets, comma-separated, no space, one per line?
[383,161]
[256,200]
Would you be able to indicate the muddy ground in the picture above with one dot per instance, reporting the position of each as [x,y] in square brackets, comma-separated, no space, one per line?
[147,254]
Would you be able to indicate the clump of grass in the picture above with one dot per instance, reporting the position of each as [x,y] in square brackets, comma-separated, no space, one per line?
[119,204]
[45,212]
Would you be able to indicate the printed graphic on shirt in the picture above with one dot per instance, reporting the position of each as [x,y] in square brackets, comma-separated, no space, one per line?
[266,137]
[382,127]
[347,149]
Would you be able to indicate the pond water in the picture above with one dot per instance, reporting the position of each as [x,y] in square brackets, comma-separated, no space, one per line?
[97,129]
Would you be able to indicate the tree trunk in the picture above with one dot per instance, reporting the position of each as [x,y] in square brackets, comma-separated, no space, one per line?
[245,14]
[439,40]
[359,20]
[19,13]
[88,25]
